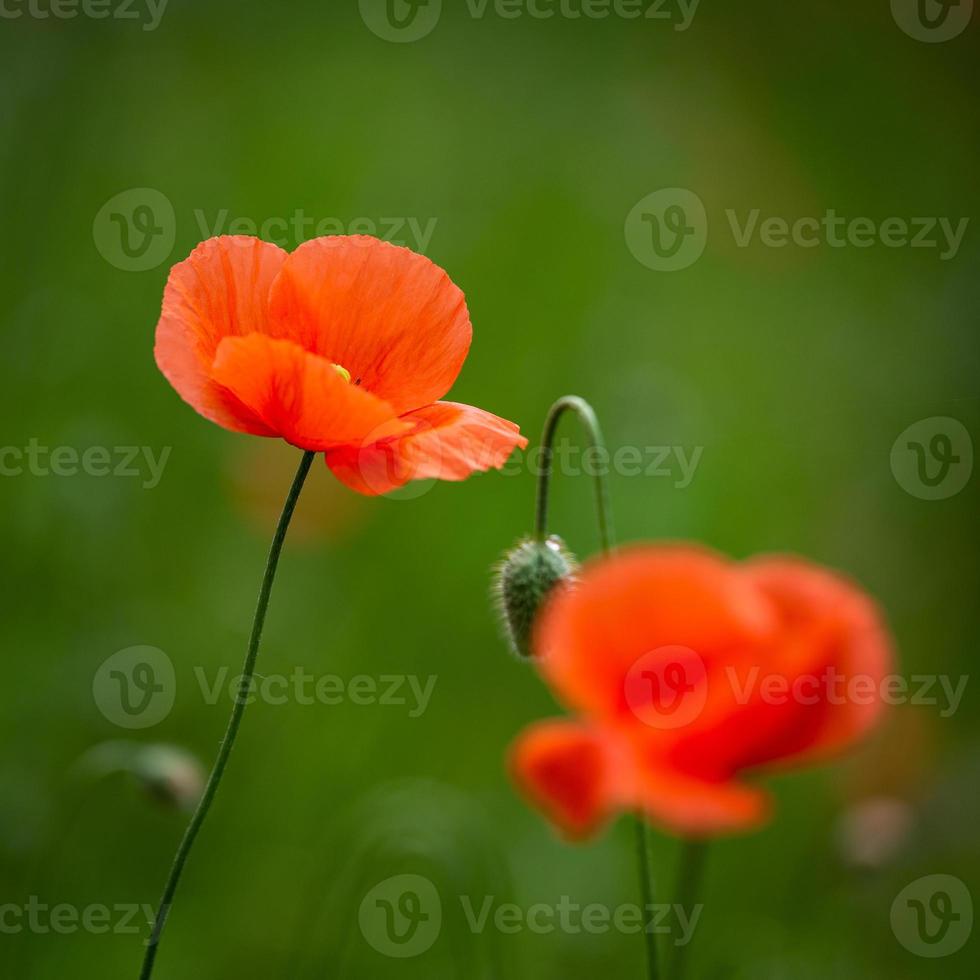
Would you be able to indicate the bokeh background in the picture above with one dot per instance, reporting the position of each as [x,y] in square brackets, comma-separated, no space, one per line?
[522,144]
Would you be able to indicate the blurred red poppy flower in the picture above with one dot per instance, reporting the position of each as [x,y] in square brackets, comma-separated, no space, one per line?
[342,347]
[688,670]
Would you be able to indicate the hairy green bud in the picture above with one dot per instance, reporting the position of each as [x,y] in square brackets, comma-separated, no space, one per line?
[168,774]
[524,579]
[171,776]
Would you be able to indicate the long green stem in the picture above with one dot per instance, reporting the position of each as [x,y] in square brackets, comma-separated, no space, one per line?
[689,877]
[238,709]
[572,403]
[646,886]
[585,412]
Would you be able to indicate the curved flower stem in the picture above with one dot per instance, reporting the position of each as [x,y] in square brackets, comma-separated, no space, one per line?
[646,885]
[689,877]
[586,414]
[228,742]
[572,403]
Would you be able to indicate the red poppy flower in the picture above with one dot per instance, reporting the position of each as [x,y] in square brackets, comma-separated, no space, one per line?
[342,347]
[687,671]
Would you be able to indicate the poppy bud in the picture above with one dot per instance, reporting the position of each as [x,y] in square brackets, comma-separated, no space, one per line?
[167,774]
[170,776]
[525,578]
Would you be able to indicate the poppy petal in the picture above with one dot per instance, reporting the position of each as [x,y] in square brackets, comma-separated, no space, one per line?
[687,668]
[297,395]
[605,643]
[580,776]
[445,441]
[695,808]
[564,770]
[754,718]
[389,316]
[219,291]
[837,690]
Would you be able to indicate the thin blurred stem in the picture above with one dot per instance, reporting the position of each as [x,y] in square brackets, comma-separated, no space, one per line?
[572,403]
[689,877]
[238,709]
[646,886]
[587,415]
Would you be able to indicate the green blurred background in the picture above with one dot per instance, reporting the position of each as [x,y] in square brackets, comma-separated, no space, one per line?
[527,142]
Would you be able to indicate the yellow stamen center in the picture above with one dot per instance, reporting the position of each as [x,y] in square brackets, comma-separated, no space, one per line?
[343,372]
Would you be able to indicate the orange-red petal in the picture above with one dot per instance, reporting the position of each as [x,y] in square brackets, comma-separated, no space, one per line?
[297,395]
[698,808]
[848,655]
[727,645]
[391,317]
[445,441]
[221,290]
[564,769]
[579,776]
[641,607]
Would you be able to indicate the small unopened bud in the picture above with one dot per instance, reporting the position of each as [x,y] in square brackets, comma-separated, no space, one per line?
[525,578]
[167,774]
[170,776]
